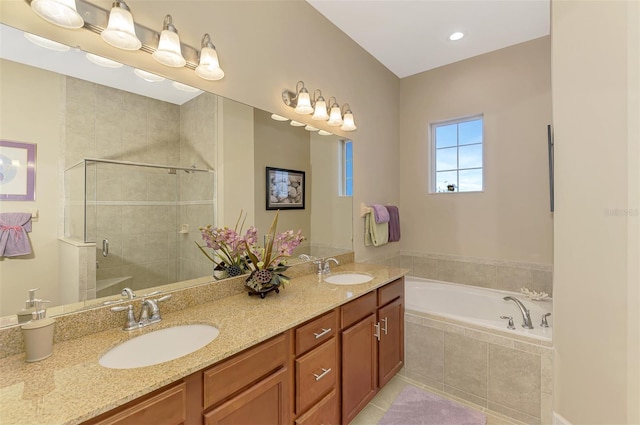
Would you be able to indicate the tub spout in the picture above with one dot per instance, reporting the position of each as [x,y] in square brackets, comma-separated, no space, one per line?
[526,317]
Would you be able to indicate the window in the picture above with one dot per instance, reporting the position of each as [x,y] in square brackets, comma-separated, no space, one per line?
[457,155]
[346,168]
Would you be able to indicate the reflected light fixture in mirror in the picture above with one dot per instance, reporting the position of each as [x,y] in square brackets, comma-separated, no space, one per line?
[309,128]
[147,76]
[324,133]
[335,116]
[278,117]
[184,87]
[99,60]
[120,31]
[348,123]
[297,124]
[62,13]
[46,43]
[209,65]
[168,52]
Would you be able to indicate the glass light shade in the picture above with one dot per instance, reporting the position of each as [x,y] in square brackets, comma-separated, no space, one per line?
[320,112]
[309,128]
[147,76]
[278,117]
[209,67]
[99,60]
[168,52]
[304,102]
[59,12]
[46,43]
[324,133]
[348,124]
[335,117]
[120,31]
[296,123]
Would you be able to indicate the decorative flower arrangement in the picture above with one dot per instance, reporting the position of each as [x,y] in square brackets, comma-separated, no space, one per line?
[267,263]
[228,247]
[237,254]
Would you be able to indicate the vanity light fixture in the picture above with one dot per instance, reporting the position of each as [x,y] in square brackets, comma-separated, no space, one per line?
[46,43]
[147,76]
[325,133]
[120,31]
[62,13]
[209,65]
[310,128]
[104,62]
[168,52]
[348,124]
[297,124]
[320,108]
[300,100]
[335,116]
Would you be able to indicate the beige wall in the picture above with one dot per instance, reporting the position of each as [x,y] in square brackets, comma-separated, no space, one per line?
[510,220]
[596,119]
[30,112]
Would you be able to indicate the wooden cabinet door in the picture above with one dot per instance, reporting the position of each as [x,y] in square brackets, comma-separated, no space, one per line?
[265,403]
[359,367]
[391,345]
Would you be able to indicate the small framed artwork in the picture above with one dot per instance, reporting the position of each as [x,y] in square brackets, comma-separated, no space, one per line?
[285,189]
[17,171]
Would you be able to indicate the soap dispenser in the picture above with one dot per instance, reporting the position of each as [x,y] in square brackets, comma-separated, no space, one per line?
[38,334]
[26,313]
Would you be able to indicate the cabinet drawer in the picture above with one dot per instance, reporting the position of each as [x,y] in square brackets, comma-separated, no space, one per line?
[391,291]
[316,375]
[325,412]
[225,379]
[315,332]
[165,408]
[358,309]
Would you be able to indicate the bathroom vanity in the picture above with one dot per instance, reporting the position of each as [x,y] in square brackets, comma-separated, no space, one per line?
[297,357]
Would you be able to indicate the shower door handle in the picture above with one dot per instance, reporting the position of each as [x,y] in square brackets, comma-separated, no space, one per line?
[105,247]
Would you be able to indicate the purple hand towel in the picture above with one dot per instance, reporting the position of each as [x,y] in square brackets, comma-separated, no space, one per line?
[13,234]
[380,213]
[394,223]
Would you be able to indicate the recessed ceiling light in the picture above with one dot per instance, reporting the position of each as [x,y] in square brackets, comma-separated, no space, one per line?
[456,36]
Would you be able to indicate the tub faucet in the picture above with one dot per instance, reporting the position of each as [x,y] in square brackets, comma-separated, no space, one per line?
[526,317]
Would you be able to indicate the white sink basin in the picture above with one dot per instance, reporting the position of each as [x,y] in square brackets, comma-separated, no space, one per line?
[348,278]
[159,346]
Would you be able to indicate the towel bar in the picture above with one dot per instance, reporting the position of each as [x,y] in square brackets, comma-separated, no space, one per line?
[364,209]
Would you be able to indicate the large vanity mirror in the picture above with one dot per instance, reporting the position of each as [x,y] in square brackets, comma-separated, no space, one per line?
[128,170]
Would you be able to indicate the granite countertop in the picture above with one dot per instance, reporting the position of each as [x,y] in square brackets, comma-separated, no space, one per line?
[70,386]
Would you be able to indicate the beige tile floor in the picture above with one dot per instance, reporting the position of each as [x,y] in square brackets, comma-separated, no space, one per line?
[375,410]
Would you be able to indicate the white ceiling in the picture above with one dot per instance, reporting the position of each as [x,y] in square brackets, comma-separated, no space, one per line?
[409,37]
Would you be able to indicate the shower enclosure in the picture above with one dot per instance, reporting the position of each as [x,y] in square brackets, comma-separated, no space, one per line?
[140,220]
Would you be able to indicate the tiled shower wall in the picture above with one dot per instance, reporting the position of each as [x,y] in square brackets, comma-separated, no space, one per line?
[484,272]
[136,208]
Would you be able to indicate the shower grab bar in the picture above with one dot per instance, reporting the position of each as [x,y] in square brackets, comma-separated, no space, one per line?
[105,247]
[142,164]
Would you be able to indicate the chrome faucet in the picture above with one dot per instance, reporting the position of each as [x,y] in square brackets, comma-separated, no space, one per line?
[149,314]
[526,317]
[323,265]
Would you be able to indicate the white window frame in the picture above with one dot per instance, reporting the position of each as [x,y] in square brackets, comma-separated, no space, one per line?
[432,151]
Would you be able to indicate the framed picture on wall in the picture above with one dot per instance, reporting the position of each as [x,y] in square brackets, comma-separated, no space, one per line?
[17,171]
[285,189]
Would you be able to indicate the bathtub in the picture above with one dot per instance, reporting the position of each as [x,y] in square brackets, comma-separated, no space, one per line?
[478,307]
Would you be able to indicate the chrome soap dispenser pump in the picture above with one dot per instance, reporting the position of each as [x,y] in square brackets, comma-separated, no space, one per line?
[38,334]
[26,313]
